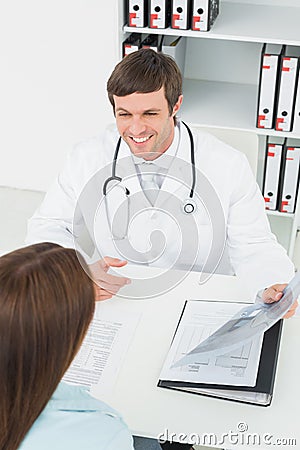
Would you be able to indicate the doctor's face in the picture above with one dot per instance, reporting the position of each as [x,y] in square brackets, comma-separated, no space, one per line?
[145,123]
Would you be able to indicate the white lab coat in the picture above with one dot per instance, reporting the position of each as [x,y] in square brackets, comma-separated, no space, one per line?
[230,211]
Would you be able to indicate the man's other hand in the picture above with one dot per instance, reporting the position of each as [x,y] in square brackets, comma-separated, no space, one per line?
[274,293]
[107,285]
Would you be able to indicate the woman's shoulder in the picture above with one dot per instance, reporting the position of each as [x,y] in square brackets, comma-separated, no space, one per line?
[74,419]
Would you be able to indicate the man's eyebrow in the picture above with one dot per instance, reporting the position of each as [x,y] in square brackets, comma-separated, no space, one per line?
[121,109]
[143,112]
[152,110]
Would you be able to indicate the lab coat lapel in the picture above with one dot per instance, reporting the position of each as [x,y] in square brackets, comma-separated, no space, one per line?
[174,190]
[178,180]
[135,247]
[127,171]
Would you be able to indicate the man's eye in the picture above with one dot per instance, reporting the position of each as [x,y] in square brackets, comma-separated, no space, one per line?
[151,114]
[123,114]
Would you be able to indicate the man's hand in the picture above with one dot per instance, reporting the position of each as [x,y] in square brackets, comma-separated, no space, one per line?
[274,293]
[107,285]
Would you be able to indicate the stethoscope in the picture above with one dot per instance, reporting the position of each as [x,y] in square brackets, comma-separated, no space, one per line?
[189,205]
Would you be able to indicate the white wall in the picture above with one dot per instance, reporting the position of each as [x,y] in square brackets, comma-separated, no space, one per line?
[55,59]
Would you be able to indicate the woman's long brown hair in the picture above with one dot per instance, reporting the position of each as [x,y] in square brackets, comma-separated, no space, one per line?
[46,305]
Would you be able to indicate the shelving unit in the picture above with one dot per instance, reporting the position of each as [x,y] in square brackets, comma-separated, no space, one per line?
[247,22]
[221,75]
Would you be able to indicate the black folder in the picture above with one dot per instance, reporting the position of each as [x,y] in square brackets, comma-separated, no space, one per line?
[261,394]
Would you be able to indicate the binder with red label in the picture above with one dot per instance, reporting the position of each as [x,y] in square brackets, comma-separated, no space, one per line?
[159,13]
[273,161]
[132,43]
[137,13]
[181,14]
[204,14]
[287,89]
[268,85]
[290,181]
[152,41]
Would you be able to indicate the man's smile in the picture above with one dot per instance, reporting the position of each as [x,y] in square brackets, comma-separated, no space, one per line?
[140,140]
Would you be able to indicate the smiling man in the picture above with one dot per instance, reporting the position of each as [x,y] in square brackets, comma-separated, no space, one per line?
[145,90]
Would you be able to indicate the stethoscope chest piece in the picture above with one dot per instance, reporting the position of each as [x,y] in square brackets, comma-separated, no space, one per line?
[189,206]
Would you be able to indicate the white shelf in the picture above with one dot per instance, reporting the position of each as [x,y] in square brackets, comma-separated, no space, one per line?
[223,105]
[245,22]
[280,214]
[218,104]
[283,134]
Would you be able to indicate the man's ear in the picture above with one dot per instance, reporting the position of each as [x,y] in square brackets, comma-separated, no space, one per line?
[177,105]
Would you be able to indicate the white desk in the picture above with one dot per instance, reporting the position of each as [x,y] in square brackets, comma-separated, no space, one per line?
[149,410]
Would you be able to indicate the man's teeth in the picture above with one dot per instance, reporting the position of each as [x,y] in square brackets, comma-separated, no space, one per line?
[144,139]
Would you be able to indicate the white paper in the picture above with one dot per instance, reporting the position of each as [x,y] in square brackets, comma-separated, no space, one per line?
[103,349]
[200,319]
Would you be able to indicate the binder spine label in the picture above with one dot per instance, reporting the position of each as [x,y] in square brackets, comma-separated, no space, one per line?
[129,48]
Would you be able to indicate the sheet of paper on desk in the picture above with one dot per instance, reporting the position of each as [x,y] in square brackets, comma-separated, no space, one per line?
[200,319]
[104,348]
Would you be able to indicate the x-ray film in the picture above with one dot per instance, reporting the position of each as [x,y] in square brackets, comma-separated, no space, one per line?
[249,322]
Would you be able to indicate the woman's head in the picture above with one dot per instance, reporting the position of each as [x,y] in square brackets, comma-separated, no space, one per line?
[46,305]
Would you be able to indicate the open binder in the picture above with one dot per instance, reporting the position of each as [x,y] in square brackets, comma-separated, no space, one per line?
[260,393]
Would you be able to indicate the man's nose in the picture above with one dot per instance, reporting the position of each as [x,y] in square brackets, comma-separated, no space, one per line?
[137,126]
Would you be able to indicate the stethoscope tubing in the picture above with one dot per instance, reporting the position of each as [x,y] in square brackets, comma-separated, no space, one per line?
[114,177]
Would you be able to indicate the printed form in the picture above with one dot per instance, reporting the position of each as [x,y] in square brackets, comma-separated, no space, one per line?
[104,348]
[200,319]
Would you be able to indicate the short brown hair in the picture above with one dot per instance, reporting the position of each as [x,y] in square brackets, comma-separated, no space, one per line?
[146,71]
[46,305]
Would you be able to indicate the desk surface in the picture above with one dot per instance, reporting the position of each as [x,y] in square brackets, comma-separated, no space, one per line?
[149,410]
